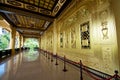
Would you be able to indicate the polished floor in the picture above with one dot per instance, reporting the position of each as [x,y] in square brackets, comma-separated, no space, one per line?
[32,65]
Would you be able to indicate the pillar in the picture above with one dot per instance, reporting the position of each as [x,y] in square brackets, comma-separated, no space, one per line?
[20,42]
[12,42]
[54,37]
[39,43]
[45,42]
[23,41]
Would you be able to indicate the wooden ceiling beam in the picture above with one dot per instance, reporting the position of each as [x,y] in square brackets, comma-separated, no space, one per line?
[30,33]
[11,9]
[29,29]
[31,36]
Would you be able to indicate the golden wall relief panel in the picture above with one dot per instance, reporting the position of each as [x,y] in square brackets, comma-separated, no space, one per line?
[61,40]
[48,42]
[102,2]
[83,13]
[51,42]
[50,39]
[107,58]
[67,39]
[85,35]
[73,38]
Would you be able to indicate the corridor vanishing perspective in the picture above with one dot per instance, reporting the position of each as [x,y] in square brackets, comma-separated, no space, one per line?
[59,39]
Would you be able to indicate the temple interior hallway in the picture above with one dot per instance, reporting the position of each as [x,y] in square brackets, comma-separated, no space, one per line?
[32,65]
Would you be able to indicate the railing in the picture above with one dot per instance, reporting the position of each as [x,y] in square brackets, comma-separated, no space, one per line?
[36,48]
[5,53]
[8,52]
[94,74]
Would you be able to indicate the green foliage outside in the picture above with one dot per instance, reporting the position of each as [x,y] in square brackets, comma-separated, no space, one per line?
[31,43]
[4,41]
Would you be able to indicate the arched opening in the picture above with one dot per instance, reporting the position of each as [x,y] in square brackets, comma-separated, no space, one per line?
[17,40]
[4,39]
[31,43]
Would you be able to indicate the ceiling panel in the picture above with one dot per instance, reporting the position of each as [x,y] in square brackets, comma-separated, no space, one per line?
[45,7]
[32,17]
[29,25]
[29,22]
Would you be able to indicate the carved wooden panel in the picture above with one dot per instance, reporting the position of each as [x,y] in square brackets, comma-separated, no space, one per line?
[85,35]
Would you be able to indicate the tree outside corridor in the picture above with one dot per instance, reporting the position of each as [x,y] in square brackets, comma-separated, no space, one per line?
[31,43]
[4,39]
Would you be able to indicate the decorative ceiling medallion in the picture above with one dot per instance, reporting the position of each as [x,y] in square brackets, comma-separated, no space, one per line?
[30,7]
[45,11]
[61,1]
[56,9]
[14,3]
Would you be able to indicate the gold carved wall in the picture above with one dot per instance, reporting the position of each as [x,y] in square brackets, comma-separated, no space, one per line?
[87,32]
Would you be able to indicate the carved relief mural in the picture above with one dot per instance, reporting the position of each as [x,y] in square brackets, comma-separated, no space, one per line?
[83,13]
[66,39]
[49,39]
[73,38]
[85,35]
[101,55]
[101,2]
[107,58]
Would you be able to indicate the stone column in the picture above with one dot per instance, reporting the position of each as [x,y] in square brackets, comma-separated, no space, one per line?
[45,41]
[54,37]
[39,43]
[20,41]
[12,42]
[23,40]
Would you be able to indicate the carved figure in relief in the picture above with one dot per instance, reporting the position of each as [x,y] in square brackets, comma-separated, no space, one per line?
[104,23]
[104,30]
[104,15]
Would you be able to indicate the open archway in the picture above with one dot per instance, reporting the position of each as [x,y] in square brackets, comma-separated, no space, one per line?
[31,43]
[4,39]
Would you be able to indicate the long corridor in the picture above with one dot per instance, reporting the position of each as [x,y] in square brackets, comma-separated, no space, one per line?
[32,65]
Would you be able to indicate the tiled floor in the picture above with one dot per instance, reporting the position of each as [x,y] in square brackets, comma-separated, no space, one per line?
[32,65]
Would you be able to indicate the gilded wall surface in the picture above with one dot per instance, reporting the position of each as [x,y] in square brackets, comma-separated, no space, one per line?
[86,31]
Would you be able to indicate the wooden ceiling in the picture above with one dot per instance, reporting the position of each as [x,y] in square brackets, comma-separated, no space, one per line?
[31,17]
